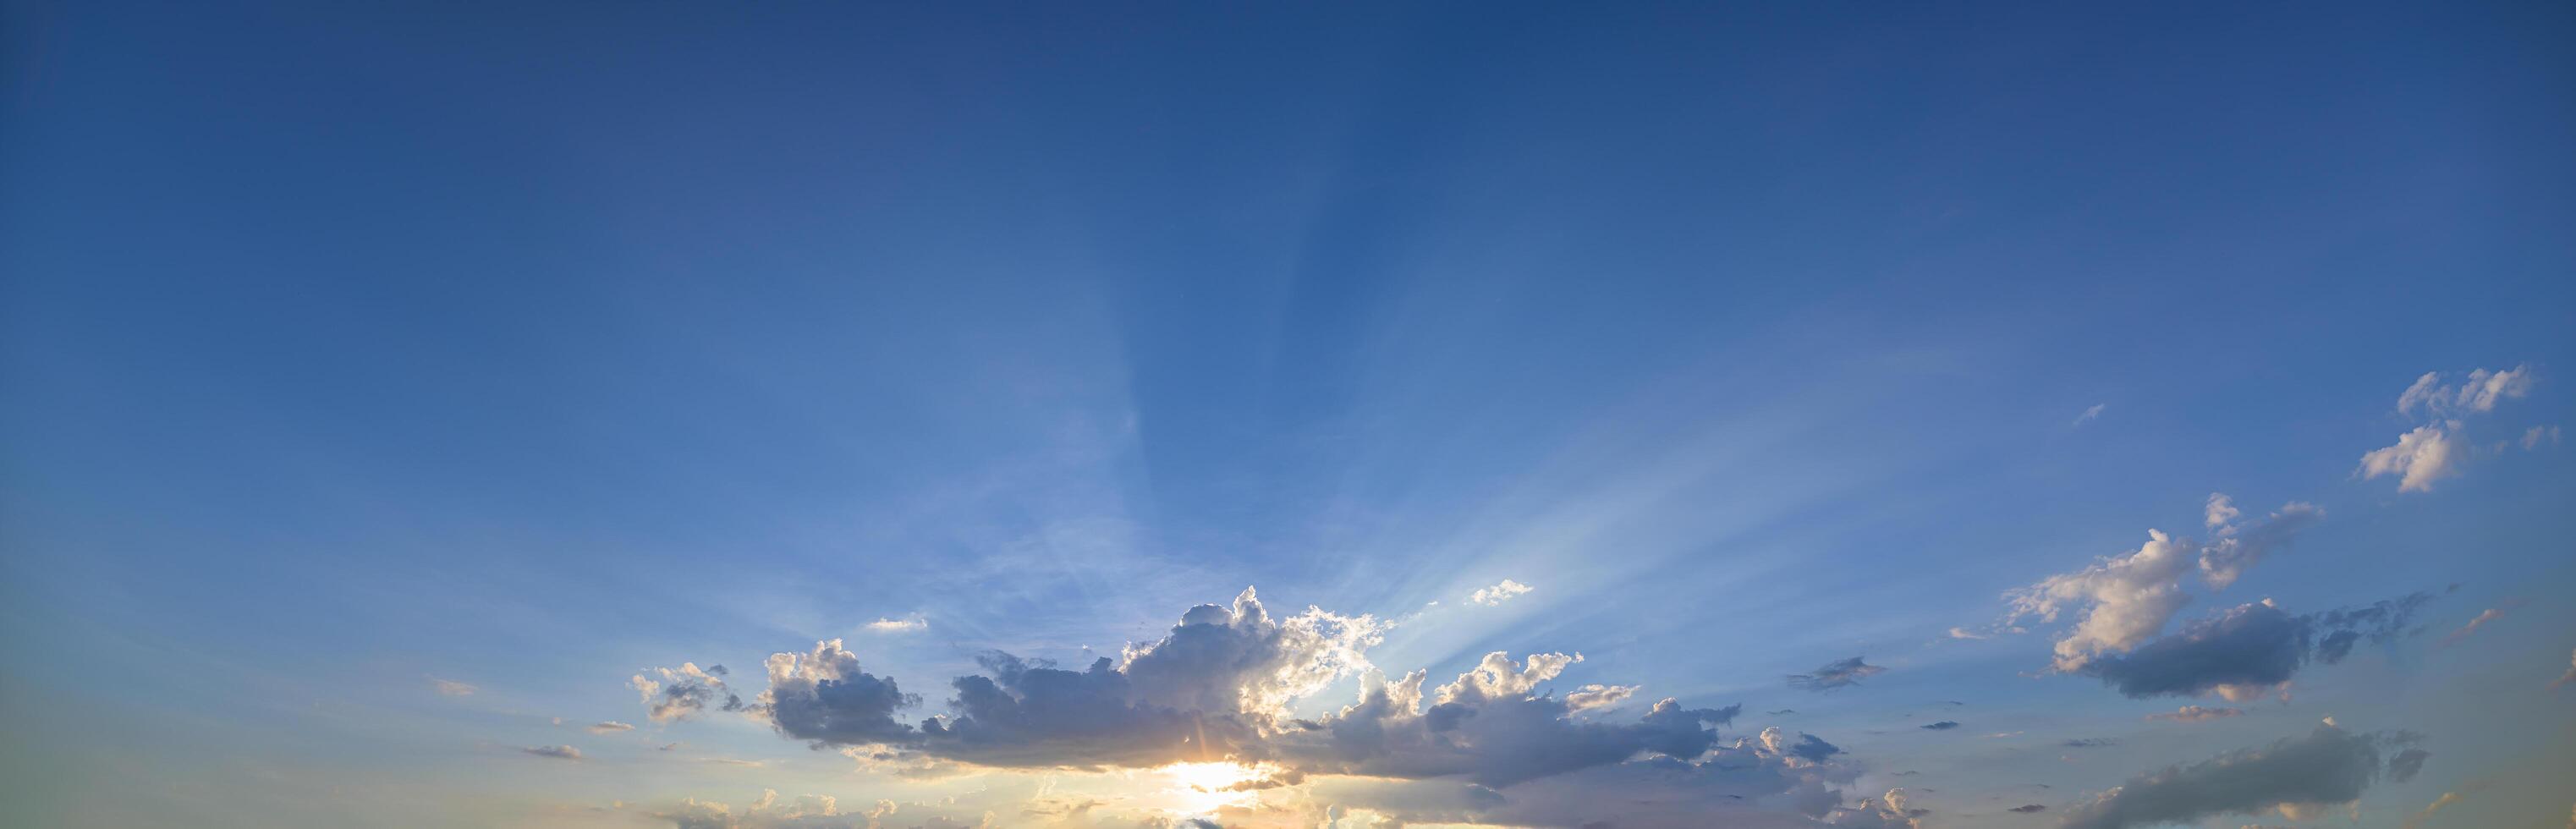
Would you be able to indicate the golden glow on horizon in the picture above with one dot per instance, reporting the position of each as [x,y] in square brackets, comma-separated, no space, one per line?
[1199,788]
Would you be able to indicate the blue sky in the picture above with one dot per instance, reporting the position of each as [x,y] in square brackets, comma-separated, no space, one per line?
[388,388]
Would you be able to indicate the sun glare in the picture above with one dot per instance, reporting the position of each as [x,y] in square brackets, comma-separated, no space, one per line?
[1199,788]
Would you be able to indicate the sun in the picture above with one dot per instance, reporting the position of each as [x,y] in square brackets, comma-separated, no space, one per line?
[1198,788]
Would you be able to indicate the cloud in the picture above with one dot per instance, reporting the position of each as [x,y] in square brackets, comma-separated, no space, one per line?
[2477,395]
[2536,435]
[2406,764]
[2565,678]
[907,624]
[452,688]
[2247,651]
[2491,614]
[1943,725]
[2420,457]
[1499,593]
[813,811]
[609,727]
[1885,812]
[2029,808]
[1964,633]
[823,696]
[2417,820]
[2194,713]
[2329,766]
[1211,687]
[1835,674]
[2434,450]
[2089,742]
[2123,601]
[556,752]
[1590,697]
[684,692]
[2239,547]
[2090,412]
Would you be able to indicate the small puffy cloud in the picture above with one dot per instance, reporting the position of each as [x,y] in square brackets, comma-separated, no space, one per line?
[556,752]
[2421,456]
[2220,511]
[1964,633]
[1590,697]
[1943,725]
[2195,713]
[684,692]
[2248,651]
[1499,593]
[1884,812]
[2478,394]
[609,727]
[908,624]
[2090,412]
[1835,674]
[2535,436]
[2295,776]
[452,688]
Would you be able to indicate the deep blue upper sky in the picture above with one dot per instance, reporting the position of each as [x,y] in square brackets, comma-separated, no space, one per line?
[346,348]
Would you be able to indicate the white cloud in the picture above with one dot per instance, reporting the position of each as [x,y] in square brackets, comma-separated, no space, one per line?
[2479,394]
[2239,547]
[1499,593]
[453,688]
[2533,437]
[2219,511]
[2420,457]
[609,727]
[2124,600]
[2569,676]
[2090,413]
[683,692]
[906,624]
[1592,697]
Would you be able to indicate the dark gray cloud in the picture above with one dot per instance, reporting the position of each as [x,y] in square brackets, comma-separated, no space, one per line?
[2029,808]
[2326,767]
[824,697]
[2248,650]
[1033,714]
[2090,742]
[2406,764]
[1943,725]
[1834,675]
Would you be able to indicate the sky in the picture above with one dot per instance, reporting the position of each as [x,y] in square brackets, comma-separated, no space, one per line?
[1264,415]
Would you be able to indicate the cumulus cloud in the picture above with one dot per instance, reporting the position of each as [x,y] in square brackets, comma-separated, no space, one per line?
[2121,602]
[684,692]
[2195,713]
[1885,812]
[1220,686]
[1499,593]
[2420,457]
[2248,651]
[452,688]
[2434,449]
[609,727]
[2294,776]
[823,696]
[556,752]
[1835,674]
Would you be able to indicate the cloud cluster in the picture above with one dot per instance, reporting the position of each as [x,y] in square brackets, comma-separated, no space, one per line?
[2296,776]
[2123,601]
[2435,449]
[1499,593]
[1835,674]
[1220,684]
[684,692]
[2248,651]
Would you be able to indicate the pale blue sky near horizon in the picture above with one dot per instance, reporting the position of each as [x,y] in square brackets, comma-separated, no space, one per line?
[351,349]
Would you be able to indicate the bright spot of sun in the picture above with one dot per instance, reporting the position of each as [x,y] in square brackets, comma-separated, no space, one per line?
[1198,788]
